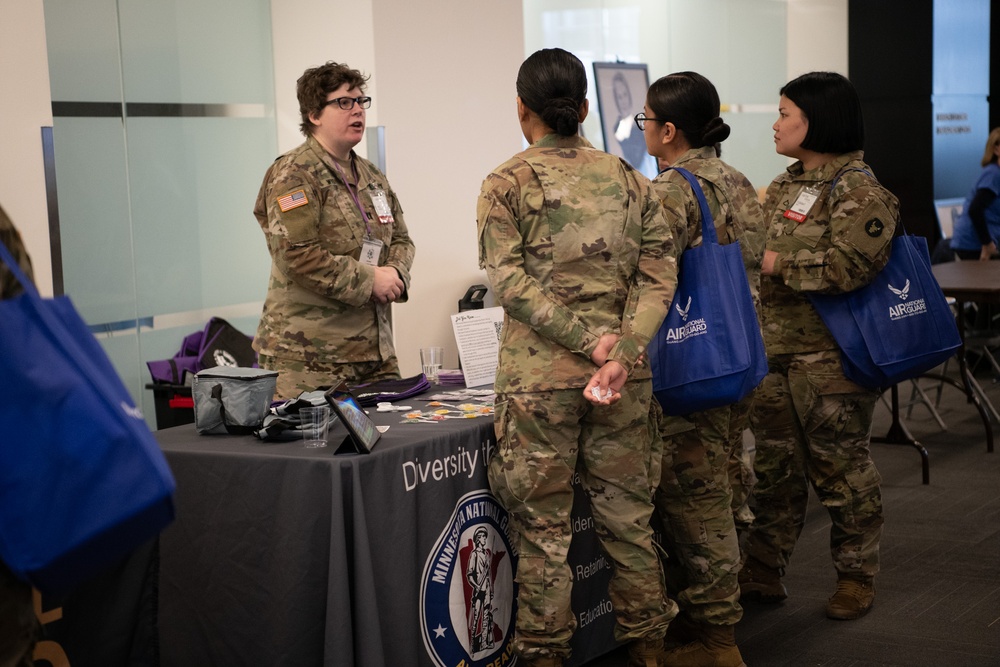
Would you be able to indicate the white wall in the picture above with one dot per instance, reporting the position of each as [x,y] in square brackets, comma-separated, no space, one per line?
[446,73]
[817,36]
[308,33]
[26,108]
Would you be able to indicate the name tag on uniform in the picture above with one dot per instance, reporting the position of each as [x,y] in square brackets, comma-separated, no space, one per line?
[370,252]
[799,211]
[381,204]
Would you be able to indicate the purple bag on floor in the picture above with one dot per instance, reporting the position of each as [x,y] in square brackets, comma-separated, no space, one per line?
[173,370]
[218,344]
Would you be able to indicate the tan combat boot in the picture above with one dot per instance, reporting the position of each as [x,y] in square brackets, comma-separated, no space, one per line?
[852,599]
[645,653]
[760,582]
[715,647]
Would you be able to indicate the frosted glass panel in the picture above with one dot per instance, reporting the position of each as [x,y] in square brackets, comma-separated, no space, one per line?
[740,45]
[123,351]
[757,48]
[82,41]
[750,147]
[191,51]
[194,182]
[94,217]
[158,170]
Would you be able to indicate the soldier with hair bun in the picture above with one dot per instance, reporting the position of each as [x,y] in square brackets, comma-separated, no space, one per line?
[830,228]
[582,259]
[706,478]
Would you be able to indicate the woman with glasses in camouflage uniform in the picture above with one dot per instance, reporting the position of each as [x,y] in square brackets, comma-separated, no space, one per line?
[704,479]
[340,251]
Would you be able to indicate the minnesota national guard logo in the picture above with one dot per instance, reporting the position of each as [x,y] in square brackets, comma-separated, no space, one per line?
[467,592]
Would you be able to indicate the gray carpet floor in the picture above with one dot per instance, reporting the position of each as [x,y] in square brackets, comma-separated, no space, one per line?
[938,594]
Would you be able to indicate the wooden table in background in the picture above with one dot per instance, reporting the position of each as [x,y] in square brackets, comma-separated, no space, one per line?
[978,282]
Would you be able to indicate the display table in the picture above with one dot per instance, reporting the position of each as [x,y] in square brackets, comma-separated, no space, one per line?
[976,282]
[282,555]
[964,281]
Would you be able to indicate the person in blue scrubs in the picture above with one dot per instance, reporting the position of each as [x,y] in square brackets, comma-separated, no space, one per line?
[978,228]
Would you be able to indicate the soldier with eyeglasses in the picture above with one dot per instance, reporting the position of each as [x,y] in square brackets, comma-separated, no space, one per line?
[340,250]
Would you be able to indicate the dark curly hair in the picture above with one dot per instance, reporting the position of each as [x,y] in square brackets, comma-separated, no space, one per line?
[318,82]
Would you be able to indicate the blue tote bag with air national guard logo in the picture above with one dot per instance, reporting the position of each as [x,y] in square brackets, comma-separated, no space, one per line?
[898,326]
[82,479]
[709,351]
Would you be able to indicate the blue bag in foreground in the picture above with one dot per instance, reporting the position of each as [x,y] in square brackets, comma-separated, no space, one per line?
[82,479]
[898,326]
[709,351]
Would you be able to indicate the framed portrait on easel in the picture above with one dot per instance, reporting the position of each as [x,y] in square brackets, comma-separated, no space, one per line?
[621,94]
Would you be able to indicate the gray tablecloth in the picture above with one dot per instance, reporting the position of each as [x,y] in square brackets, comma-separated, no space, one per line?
[282,555]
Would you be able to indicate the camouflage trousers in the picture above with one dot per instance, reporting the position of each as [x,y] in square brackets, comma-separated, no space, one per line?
[296,375]
[544,439]
[813,425]
[704,487]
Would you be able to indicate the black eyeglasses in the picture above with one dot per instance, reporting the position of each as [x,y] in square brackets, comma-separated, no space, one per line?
[641,118]
[347,103]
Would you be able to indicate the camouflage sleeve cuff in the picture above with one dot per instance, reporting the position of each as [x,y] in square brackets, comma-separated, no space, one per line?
[588,343]
[574,337]
[803,274]
[626,352]
[361,296]
[404,275]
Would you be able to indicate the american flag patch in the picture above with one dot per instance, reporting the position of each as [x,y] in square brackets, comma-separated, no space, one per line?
[293,200]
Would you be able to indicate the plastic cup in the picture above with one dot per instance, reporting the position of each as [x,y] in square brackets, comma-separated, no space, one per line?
[431,359]
[315,423]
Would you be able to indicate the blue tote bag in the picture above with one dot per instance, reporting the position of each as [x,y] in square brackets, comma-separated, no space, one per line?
[709,351]
[898,326]
[82,479]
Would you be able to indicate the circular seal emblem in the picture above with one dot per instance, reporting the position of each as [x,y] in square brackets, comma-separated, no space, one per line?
[224,358]
[467,592]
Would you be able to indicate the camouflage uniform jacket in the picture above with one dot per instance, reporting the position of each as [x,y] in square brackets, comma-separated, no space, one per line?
[575,245]
[9,286]
[731,199]
[842,244]
[318,305]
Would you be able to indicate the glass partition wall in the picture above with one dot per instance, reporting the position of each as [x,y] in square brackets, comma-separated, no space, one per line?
[740,45]
[163,126]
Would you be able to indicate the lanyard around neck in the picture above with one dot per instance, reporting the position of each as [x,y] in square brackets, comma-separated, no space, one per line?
[351,190]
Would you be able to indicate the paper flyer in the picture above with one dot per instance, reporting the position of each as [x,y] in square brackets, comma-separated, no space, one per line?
[477,334]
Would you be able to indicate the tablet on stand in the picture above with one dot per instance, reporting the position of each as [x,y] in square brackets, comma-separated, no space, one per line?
[362,434]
